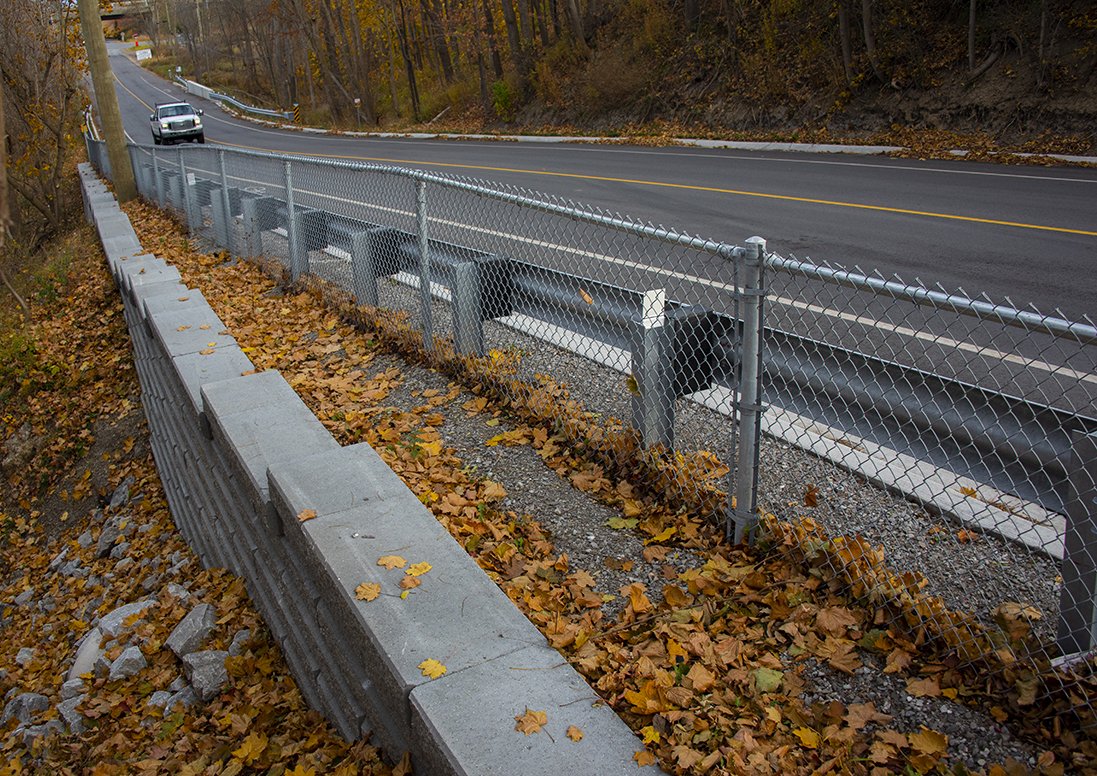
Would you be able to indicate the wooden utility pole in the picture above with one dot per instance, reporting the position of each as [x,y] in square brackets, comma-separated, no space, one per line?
[103,80]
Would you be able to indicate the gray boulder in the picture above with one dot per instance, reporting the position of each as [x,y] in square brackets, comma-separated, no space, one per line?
[127,664]
[206,672]
[24,707]
[192,630]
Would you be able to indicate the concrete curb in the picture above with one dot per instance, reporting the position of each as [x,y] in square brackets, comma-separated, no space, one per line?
[241,457]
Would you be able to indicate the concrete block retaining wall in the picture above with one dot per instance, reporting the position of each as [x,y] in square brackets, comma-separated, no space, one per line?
[240,456]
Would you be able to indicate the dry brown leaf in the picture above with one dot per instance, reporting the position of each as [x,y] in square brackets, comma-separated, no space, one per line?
[391,561]
[306,514]
[367,591]
[574,733]
[530,722]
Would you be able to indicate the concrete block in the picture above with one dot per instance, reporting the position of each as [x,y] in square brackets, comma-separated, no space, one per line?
[457,615]
[169,298]
[198,369]
[190,330]
[259,421]
[151,276]
[463,722]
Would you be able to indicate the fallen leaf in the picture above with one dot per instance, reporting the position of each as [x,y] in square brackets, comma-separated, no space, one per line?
[530,722]
[649,735]
[367,591]
[306,514]
[432,668]
[574,733]
[897,661]
[811,496]
[924,688]
[808,737]
[929,742]
[644,758]
[410,583]
[768,679]
[418,569]
[391,561]
[403,768]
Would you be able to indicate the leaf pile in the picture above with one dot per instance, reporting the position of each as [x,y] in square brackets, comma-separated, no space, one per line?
[709,677]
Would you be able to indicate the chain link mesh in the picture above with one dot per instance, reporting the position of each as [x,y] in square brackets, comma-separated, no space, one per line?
[935,450]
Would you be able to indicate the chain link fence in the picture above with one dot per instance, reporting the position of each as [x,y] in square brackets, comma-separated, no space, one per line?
[976,418]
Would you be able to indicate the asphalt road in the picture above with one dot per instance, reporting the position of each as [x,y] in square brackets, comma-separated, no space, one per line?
[1028,234]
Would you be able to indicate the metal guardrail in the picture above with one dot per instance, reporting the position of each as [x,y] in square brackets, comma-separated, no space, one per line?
[978,408]
[193,87]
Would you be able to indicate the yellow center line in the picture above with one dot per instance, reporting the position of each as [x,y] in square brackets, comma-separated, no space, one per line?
[692,187]
[663,184]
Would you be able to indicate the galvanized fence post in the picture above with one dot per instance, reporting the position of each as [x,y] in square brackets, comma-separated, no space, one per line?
[424,263]
[295,260]
[186,182]
[750,408]
[652,356]
[1078,595]
[157,184]
[226,202]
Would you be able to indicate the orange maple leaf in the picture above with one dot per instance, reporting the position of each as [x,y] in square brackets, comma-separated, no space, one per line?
[530,722]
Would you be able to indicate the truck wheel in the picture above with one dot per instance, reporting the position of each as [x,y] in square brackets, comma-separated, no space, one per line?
[202,138]
[157,140]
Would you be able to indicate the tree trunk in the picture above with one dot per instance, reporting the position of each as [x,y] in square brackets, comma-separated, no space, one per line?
[517,52]
[870,37]
[971,35]
[575,21]
[844,39]
[489,25]
[413,89]
[5,208]
[433,24]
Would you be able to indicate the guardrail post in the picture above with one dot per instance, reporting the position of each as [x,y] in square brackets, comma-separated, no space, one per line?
[1078,597]
[468,329]
[224,234]
[365,247]
[298,259]
[750,391]
[653,395]
[157,184]
[424,263]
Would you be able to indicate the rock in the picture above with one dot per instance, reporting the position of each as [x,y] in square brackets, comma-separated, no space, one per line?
[112,623]
[178,591]
[40,731]
[119,550]
[206,672]
[71,688]
[87,653]
[159,699]
[18,449]
[107,537]
[192,630]
[151,582]
[123,564]
[122,493]
[24,707]
[47,604]
[58,559]
[177,684]
[84,540]
[102,666]
[73,718]
[71,569]
[23,598]
[128,663]
[239,640]
[186,697]
[24,656]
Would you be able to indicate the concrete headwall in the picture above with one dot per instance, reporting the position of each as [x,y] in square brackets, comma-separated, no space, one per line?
[241,456]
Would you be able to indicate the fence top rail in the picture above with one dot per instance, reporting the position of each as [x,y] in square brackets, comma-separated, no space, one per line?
[617,223]
[1031,320]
